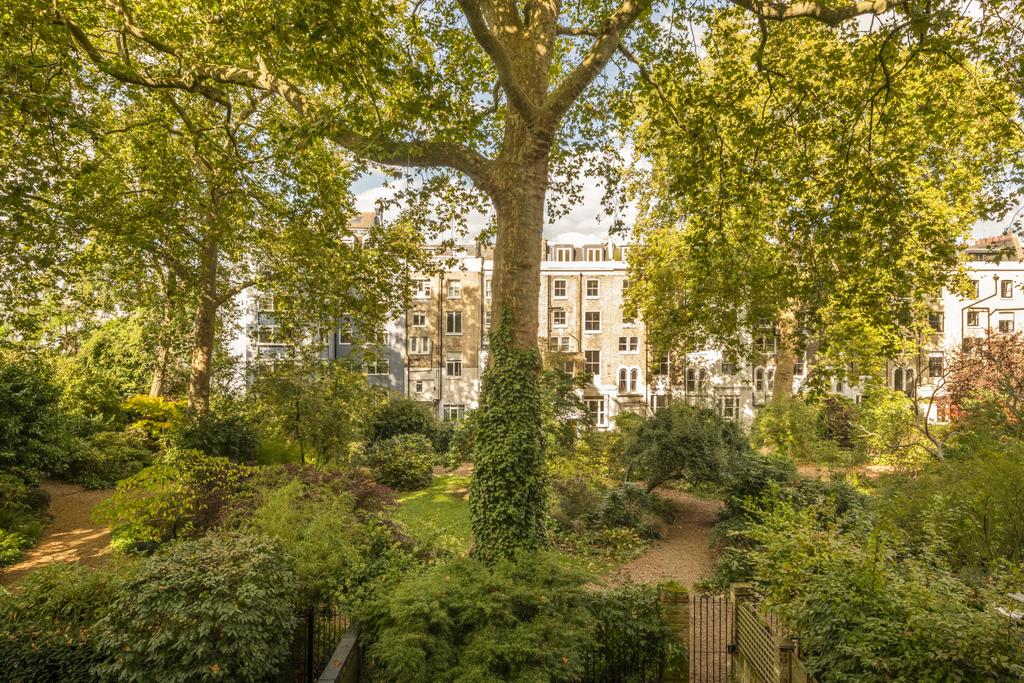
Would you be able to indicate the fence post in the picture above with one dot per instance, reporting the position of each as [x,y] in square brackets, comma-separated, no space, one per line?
[310,623]
[786,646]
[675,604]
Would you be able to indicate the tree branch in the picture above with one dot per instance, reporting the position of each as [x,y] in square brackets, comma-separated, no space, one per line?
[601,51]
[780,11]
[198,78]
[502,64]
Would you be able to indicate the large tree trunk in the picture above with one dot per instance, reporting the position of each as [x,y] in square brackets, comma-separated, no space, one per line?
[205,328]
[509,490]
[785,359]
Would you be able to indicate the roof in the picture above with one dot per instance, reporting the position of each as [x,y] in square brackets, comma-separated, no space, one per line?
[1006,243]
[363,220]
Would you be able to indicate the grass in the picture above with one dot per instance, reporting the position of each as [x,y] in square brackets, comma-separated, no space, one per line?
[439,515]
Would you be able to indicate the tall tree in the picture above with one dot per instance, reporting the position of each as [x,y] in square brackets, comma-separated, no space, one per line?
[813,185]
[498,92]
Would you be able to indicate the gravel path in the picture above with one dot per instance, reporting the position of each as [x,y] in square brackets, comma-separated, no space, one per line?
[71,537]
[684,554]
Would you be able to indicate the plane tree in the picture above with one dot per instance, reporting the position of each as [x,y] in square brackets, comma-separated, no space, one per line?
[509,98]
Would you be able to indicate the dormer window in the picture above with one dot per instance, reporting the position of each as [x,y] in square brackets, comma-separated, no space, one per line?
[595,253]
[563,254]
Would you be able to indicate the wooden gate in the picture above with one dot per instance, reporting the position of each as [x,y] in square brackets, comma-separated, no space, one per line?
[711,635]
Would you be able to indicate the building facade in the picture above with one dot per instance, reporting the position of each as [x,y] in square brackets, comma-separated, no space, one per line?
[436,351]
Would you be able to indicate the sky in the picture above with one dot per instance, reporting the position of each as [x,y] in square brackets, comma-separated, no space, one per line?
[585,219]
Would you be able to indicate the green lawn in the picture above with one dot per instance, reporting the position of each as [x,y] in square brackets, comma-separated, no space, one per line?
[439,514]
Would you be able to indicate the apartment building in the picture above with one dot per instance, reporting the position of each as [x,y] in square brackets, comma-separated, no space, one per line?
[436,351]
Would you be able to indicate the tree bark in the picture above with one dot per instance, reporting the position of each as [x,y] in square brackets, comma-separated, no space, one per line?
[785,358]
[205,328]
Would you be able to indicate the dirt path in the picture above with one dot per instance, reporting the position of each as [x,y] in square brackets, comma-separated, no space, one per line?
[72,537]
[684,554]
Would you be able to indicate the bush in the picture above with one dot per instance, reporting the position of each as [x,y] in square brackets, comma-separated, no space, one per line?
[629,506]
[463,621]
[405,416]
[108,458]
[46,629]
[23,516]
[222,434]
[220,607]
[866,610]
[404,462]
[183,493]
[153,416]
[682,442]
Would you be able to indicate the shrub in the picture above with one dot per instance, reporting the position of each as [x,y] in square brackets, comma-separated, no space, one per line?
[866,610]
[522,620]
[837,421]
[220,607]
[222,434]
[23,516]
[405,416]
[153,416]
[629,506]
[184,492]
[404,462]
[108,458]
[682,442]
[46,629]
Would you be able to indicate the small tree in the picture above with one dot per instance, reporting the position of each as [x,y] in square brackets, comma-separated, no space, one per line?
[682,442]
[403,462]
[403,416]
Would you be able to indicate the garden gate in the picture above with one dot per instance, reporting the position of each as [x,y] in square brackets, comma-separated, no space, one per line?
[710,637]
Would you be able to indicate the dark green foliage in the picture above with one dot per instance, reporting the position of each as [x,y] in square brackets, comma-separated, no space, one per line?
[46,626]
[23,516]
[113,363]
[865,610]
[563,412]
[837,421]
[465,621]
[34,432]
[629,506]
[508,498]
[404,462]
[108,458]
[224,434]
[682,442]
[220,607]
[402,415]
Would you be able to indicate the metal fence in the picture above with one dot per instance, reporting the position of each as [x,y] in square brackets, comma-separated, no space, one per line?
[711,628]
[319,633]
[601,666]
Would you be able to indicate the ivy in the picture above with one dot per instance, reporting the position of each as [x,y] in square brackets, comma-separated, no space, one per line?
[508,495]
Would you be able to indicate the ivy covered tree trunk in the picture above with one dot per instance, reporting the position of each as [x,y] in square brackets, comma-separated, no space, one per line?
[509,489]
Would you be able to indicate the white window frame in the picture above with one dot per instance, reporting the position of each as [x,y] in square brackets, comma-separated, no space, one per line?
[596,409]
[419,319]
[453,367]
[977,318]
[729,407]
[557,313]
[423,290]
[419,345]
[587,363]
[488,288]
[589,324]
[559,284]
[597,288]
[563,254]
[592,252]
[372,368]
[453,412]
[629,344]
[454,289]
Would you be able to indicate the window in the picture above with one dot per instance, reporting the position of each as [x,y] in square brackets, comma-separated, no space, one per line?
[592,321]
[800,365]
[658,401]
[453,412]
[558,289]
[593,289]
[663,365]
[376,367]
[625,288]
[453,322]
[592,362]
[935,366]
[454,289]
[487,288]
[419,319]
[910,385]
[1006,289]
[419,345]
[973,318]
[563,253]
[422,290]
[936,319]
[976,287]
[629,344]
[595,406]
[767,343]
[1006,325]
[634,379]
[759,379]
[453,367]
[729,407]
[487,320]
[628,320]
[419,386]
[696,380]
[558,317]
[764,380]
[629,378]
[556,344]
[595,253]
[769,377]
[569,367]
[381,338]
[897,379]
[728,367]
[623,380]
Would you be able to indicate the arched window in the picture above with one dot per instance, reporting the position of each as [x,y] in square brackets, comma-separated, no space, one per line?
[623,382]
[897,379]
[634,378]
[759,379]
[770,383]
